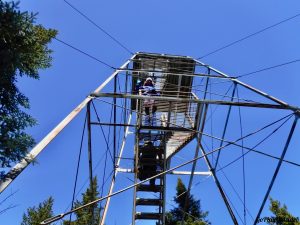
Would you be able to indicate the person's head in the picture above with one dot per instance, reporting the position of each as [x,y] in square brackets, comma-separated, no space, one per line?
[149,81]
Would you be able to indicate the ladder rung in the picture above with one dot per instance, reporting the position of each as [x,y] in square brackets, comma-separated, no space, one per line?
[148,216]
[150,188]
[145,201]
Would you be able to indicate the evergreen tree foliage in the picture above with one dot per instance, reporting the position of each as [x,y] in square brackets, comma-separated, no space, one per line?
[193,216]
[85,216]
[23,51]
[35,215]
[281,215]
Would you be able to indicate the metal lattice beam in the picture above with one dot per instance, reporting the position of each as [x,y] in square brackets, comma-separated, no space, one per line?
[19,167]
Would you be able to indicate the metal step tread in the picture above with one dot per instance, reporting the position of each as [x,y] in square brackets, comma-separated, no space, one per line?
[148,201]
[149,188]
[148,216]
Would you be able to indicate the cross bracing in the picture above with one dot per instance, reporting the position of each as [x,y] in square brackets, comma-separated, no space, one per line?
[193,97]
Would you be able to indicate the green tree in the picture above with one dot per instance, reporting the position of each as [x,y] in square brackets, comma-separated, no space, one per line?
[35,215]
[193,216]
[23,51]
[85,215]
[281,215]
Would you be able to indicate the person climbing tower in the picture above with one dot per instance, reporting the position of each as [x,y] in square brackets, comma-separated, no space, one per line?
[148,89]
[147,158]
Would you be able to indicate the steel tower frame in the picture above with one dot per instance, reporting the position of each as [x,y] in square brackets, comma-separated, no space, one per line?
[137,66]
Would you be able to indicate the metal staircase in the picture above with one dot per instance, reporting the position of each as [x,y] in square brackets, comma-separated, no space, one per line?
[149,161]
[161,134]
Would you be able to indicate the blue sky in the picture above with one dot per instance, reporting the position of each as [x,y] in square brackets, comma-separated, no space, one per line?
[190,28]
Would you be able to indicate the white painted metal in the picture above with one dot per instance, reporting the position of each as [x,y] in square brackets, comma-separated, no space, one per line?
[18,168]
[201,173]
[116,172]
